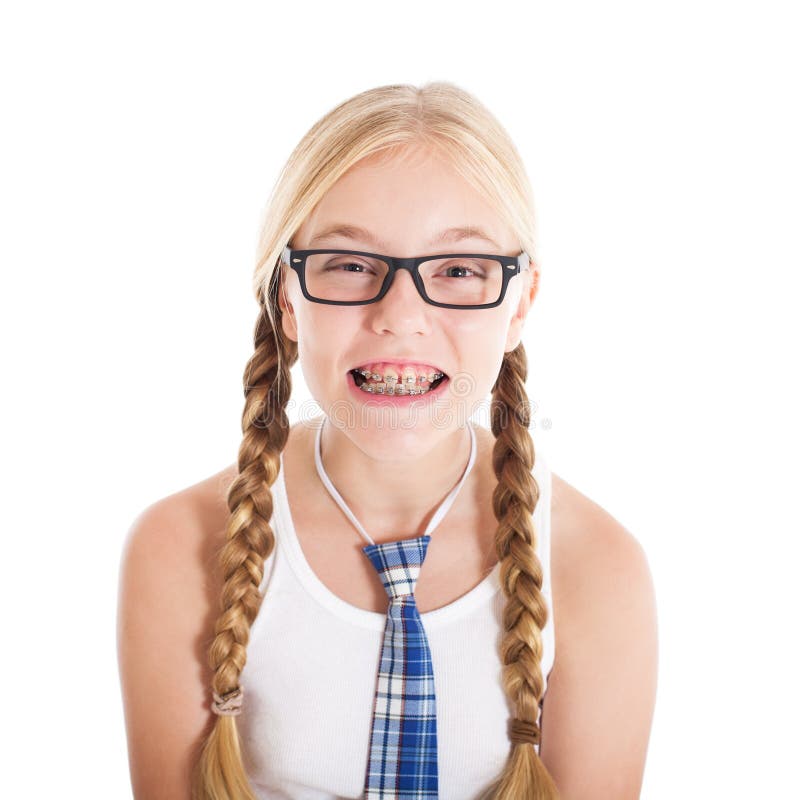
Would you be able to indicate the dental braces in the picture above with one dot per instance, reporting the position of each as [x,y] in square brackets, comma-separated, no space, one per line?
[401,390]
[409,379]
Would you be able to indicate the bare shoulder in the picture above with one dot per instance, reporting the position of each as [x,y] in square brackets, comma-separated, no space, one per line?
[166,609]
[584,532]
[601,692]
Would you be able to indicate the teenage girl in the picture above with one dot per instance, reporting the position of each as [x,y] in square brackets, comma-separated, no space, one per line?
[250,620]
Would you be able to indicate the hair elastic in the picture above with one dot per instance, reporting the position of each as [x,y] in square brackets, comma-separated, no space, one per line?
[229,704]
[523,732]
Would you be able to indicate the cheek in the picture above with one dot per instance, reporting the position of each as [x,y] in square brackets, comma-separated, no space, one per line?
[324,327]
[480,343]
[491,322]
[325,339]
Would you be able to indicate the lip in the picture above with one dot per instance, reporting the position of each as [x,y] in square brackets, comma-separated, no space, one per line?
[397,399]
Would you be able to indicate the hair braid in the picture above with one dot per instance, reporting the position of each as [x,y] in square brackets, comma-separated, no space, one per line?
[220,773]
[525,612]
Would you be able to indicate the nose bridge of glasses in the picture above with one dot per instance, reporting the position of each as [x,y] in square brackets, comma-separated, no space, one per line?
[403,265]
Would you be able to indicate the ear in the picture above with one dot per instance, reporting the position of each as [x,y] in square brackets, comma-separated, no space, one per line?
[288,319]
[530,289]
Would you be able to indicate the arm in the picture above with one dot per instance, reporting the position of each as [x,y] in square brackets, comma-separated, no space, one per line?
[601,693]
[163,628]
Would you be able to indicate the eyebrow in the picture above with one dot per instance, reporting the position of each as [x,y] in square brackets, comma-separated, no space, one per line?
[447,236]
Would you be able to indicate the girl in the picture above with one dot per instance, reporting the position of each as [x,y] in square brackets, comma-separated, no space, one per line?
[377,601]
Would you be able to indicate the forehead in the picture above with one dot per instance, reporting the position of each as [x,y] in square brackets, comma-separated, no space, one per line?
[404,200]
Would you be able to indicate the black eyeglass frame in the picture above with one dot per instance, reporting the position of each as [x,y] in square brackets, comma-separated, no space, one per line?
[296,259]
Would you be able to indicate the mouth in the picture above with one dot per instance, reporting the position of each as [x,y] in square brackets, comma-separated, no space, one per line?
[416,384]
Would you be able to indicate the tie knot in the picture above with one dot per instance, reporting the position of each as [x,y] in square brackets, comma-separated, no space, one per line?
[398,564]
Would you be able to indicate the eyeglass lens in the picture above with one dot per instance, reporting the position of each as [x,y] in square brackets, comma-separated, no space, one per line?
[458,281]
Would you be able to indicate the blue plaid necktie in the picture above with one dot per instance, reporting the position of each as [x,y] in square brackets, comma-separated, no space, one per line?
[403,746]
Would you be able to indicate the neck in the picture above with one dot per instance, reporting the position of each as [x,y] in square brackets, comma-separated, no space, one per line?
[394,496]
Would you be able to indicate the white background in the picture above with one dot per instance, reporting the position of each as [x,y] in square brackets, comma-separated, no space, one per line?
[139,145]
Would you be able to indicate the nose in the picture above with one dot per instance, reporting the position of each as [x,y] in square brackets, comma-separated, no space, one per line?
[401,309]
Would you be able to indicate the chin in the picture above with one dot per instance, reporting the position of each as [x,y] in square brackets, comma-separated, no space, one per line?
[388,433]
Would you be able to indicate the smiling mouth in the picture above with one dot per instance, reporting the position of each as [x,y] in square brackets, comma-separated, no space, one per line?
[394,387]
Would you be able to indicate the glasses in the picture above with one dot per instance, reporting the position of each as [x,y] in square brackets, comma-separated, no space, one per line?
[355,278]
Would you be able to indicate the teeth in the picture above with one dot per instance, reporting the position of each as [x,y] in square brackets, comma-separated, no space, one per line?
[382,388]
[407,378]
[385,380]
[410,378]
[388,373]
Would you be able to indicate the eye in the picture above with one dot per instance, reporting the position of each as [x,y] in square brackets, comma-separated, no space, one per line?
[348,265]
[344,266]
[462,269]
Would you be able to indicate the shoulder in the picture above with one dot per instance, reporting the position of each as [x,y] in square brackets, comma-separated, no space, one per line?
[171,547]
[605,670]
[590,548]
[178,536]
[166,609]
[600,571]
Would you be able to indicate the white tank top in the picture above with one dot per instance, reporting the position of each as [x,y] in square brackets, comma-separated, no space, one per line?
[312,658]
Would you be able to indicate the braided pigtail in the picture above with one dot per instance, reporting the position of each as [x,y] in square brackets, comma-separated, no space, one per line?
[220,773]
[525,613]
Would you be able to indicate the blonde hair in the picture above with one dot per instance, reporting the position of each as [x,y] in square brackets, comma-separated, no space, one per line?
[382,120]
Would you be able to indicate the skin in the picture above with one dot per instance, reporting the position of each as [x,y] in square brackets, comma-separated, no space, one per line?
[601,691]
